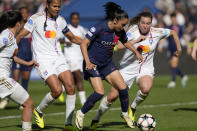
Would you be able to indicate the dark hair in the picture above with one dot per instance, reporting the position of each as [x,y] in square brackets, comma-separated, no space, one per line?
[173,14]
[46,10]
[23,7]
[114,11]
[137,18]
[9,19]
[74,13]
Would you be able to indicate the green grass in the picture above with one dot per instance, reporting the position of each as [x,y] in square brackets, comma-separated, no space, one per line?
[180,117]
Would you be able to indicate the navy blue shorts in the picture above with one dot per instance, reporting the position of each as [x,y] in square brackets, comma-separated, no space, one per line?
[16,66]
[99,71]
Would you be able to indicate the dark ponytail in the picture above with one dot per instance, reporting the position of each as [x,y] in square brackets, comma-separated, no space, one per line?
[114,11]
[46,11]
[9,19]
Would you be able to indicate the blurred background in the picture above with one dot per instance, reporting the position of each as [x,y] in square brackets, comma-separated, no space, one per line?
[91,12]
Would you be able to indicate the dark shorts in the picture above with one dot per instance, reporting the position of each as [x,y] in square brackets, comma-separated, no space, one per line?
[99,71]
[16,66]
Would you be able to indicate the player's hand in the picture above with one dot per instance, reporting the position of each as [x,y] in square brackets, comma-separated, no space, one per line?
[178,53]
[139,57]
[90,66]
[32,63]
[141,38]
[189,50]
[194,55]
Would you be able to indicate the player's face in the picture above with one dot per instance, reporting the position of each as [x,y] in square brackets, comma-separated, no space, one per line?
[119,25]
[25,15]
[54,8]
[75,20]
[144,24]
[173,18]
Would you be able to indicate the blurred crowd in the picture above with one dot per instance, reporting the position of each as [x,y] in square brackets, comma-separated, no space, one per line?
[186,15]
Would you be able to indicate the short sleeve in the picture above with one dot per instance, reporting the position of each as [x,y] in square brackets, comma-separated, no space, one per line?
[164,32]
[30,24]
[123,37]
[3,41]
[93,32]
[63,24]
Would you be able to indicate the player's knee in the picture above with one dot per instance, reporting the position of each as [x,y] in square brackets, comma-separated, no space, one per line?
[70,88]
[57,92]
[28,103]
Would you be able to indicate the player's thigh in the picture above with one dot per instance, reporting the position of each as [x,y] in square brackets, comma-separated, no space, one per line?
[116,80]
[145,83]
[16,74]
[54,84]
[20,95]
[25,74]
[112,95]
[97,84]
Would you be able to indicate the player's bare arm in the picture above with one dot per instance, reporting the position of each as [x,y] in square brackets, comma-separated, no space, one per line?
[73,38]
[21,34]
[177,42]
[27,63]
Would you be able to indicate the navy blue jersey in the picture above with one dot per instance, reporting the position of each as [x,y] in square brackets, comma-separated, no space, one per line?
[102,42]
[180,31]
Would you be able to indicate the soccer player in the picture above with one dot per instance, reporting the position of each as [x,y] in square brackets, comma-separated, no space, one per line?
[97,49]
[10,25]
[174,61]
[193,54]
[46,27]
[131,69]
[74,56]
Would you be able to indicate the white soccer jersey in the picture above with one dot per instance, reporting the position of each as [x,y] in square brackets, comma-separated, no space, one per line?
[74,51]
[8,48]
[44,42]
[130,62]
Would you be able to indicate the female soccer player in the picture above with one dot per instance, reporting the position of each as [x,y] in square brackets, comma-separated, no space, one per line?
[10,25]
[74,56]
[46,27]
[131,69]
[97,49]
[193,54]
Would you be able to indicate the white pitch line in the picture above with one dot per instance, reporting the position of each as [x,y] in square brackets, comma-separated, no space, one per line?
[113,109]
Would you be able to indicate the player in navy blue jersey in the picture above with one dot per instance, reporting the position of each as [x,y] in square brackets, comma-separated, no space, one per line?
[174,61]
[24,52]
[97,49]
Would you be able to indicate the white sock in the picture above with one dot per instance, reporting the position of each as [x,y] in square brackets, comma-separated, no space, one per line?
[63,88]
[70,107]
[140,97]
[82,96]
[26,126]
[103,107]
[45,102]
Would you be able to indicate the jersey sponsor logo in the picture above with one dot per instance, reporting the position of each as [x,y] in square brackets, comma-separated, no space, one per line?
[90,34]
[50,34]
[93,29]
[143,48]
[30,21]
[107,43]
[5,41]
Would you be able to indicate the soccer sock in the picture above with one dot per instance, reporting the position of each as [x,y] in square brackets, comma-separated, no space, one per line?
[103,107]
[82,96]
[124,99]
[25,83]
[63,88]
[180,72]
[140,97]
[70,107]
[45,102]
[174,73]
[92,99]
[26,126]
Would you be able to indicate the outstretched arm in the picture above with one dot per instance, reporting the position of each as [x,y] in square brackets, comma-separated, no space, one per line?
[29,63]
[73,38]
[22,34]
[177,42]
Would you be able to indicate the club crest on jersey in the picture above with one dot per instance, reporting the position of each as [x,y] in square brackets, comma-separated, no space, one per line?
[93,29]
[30,21]
[50,34]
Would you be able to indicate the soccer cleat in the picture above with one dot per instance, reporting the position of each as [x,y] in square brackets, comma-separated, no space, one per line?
[3,104]
[61,98]
[69,128]
[39,118]
[79,120]
[128,120]
[172,84]
[184,81]
[94,124]
[132,113]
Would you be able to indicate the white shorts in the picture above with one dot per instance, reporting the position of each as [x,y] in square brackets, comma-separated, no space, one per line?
[129,75]
[75,64]
[9,87]
[49,67]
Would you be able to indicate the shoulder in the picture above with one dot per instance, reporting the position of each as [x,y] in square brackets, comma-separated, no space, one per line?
[6,36]
[60,18]
[36,16]
[133,28]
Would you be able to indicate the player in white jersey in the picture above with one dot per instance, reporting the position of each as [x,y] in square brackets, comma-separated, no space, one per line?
[131,69]
[10,25]
[193,54]
[74,56]
[46,27]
